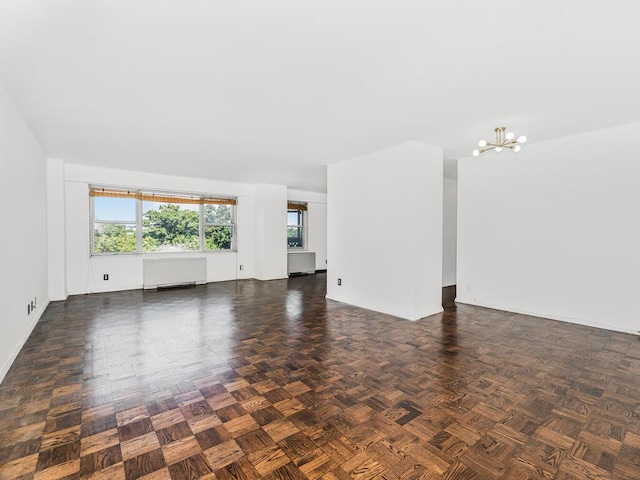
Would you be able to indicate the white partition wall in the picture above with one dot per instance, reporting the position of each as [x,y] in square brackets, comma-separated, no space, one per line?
[270,232]
[449,226]
[384,226]
[554,230]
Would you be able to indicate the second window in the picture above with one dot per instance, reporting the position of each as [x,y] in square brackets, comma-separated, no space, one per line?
[296,234]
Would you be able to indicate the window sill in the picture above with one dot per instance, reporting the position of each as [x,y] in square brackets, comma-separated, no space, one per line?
[133,254]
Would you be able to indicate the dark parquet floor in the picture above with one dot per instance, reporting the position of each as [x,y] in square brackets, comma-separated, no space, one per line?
[249,379]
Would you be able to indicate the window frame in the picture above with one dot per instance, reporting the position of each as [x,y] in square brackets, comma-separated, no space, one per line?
[302,226]
[138,223]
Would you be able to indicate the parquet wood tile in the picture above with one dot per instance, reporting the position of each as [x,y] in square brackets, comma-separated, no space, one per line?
[249,380]
[223,454]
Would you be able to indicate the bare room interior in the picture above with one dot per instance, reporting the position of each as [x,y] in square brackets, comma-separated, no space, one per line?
[319,240]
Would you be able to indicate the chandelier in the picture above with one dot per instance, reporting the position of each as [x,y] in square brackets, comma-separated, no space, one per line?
[503,140]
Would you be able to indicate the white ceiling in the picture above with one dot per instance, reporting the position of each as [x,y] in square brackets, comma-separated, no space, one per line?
[272,91]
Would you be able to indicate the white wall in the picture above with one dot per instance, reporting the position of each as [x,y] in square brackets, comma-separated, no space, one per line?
[23,239]
[385,230]
[449,231]
[270,224]
[316,225]
[554,230]
[56,246]
[84,273]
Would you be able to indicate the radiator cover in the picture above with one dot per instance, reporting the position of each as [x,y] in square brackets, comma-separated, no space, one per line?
[167,272]
[301,262]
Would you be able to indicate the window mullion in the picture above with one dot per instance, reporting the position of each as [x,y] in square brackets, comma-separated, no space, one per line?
[201,227]
[92,227]
[139,225]
[233,230]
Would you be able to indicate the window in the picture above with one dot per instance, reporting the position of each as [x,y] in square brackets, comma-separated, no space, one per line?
[146,222]
[218,226]
[115,227]
[295,225]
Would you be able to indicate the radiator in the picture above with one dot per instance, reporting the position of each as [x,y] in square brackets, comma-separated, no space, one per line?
[302,262]
[167,272]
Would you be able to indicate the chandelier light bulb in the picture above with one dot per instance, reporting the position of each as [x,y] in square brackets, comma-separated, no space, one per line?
[517,148]
[510,136]
[498,149]
[522,139]
[482,143]
[476,153]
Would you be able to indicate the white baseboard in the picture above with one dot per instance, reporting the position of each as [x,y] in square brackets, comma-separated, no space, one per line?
[428,313]
[423,314]
[548,316]
[33,321]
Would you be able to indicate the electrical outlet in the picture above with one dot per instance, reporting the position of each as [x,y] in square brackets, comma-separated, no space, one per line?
[241,267]
[105,276]
[339,282]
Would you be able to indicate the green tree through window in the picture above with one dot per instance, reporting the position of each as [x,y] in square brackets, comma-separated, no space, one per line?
[169,228]
[114,238]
